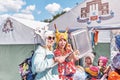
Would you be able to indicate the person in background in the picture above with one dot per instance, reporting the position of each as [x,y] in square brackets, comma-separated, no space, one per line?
[102,64]
[88,61]
[67,68]
[43,61]
[115,73]
[89,58]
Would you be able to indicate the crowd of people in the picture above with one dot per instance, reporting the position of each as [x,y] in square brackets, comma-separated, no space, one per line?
[59,63]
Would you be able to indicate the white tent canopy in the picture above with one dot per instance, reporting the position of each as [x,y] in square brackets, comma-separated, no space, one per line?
[90,13]
[18,31]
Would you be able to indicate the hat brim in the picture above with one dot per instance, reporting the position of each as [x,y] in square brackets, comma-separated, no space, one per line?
[92,73]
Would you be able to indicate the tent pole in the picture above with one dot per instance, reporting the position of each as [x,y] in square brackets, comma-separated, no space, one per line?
[107,28]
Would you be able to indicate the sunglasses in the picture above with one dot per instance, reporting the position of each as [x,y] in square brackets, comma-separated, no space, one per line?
[49,38]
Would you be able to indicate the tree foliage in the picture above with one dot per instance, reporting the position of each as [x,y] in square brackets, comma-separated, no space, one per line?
[54,17]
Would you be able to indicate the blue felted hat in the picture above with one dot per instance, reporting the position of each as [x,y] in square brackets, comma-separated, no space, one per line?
[116,61]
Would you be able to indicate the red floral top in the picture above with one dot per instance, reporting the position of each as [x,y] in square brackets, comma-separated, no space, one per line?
[65,69]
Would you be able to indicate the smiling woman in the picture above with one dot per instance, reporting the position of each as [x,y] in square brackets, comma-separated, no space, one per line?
[44,59]
[67,68]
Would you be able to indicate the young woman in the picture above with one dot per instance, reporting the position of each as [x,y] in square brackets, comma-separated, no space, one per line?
[44,59]
[102,64]
[88,61]
[63,48]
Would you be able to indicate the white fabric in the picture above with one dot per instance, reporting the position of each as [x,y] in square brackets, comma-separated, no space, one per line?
[80,74]
[42,62]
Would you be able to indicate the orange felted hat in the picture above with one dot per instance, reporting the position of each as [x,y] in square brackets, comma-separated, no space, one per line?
[93,70]
[113,76]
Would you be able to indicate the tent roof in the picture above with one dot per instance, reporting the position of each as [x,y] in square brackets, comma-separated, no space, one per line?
[27,22]
[106,14]
[19,31]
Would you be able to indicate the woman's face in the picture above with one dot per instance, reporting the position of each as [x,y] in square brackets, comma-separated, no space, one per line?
[50,40]
[88,60]
[62,43]
[100,63]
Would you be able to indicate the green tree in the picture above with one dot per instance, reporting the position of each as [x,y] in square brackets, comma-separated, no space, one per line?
[54,17]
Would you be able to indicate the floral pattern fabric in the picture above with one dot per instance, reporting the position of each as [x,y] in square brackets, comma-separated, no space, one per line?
[65,69]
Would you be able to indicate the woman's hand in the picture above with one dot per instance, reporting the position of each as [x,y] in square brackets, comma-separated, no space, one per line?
[73,56]
[76,54]
[59,59]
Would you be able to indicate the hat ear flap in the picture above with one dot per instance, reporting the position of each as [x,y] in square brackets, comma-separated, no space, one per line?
[41,32]
[38,31]
[67,30]
[56,30]
[66,33]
